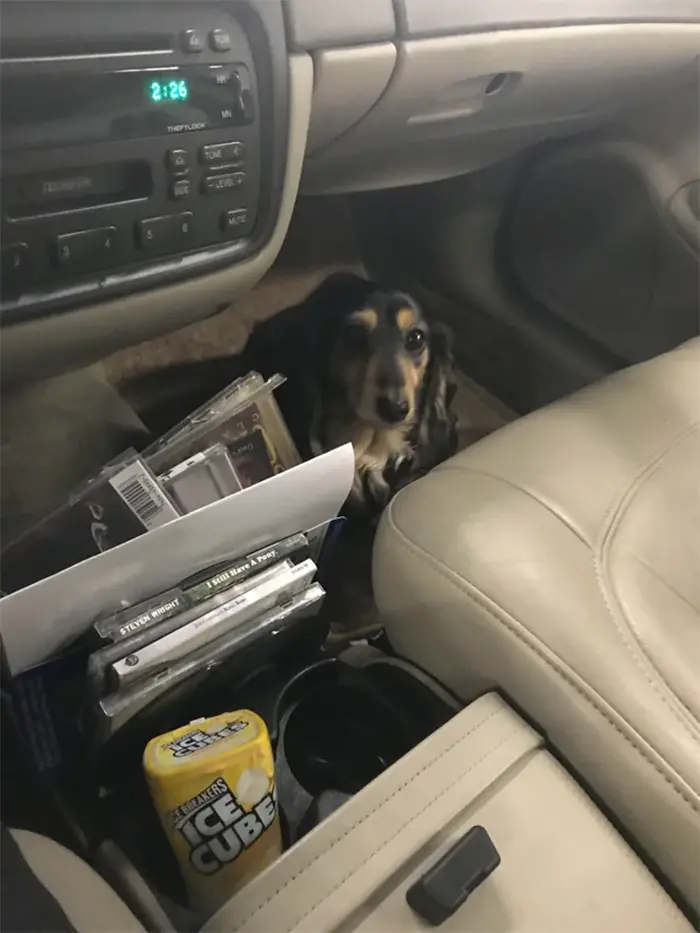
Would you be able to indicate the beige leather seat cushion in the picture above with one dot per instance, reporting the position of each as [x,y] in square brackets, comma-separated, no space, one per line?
[560,559]
[85,898]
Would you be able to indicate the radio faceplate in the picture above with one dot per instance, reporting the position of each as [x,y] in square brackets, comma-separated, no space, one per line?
[142,163]
[45,110]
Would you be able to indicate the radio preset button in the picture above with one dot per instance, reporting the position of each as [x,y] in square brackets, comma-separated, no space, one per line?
[222,154]
[89,249]
[220,40]
[177,160]
[172,231]
[232,221]
[192,41]
[15,263]
[220,184]
[181,188]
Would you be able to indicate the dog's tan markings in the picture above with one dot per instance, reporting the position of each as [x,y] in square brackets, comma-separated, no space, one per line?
[413,374]
[368,317]
[366,388]
[406,318]
[353,377]
[373,446]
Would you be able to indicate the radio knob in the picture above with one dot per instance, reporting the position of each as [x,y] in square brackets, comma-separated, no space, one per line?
[244,106]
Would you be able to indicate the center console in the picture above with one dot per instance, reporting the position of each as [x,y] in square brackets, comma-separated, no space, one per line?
[477,828]
[142,143]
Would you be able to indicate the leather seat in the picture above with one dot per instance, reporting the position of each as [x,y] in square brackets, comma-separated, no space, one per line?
[559,559]
[48,889]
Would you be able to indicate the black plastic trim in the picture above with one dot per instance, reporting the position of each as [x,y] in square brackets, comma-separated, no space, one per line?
[263,23]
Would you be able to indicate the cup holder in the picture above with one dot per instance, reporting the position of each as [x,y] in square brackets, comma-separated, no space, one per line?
[337,727]
[338,738]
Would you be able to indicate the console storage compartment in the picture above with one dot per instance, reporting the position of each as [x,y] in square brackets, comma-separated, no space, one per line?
[337,718]
[563,866]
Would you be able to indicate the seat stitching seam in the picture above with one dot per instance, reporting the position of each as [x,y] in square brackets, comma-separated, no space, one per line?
[480,600]
[455,468]
[654,574]
[620,619]
[431,803]
[385,799]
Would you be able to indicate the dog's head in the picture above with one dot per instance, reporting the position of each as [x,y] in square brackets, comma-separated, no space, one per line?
[379,356]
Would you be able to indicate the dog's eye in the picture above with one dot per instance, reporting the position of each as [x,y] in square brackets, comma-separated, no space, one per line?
[414,340]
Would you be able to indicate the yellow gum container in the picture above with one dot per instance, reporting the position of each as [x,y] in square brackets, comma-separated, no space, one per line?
[213,785]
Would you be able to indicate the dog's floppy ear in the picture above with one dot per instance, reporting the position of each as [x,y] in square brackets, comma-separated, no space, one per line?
[441,365]
[296,341]
[301,334]
[437,426]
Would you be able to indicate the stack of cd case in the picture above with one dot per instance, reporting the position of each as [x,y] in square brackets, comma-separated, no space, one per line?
[238,438]
[239,434]
[147,650]
[203,478]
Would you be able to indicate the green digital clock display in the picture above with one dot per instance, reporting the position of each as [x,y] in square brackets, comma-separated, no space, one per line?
[160,90]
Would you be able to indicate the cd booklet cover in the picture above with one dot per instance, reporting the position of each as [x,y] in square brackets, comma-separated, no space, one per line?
[122,502]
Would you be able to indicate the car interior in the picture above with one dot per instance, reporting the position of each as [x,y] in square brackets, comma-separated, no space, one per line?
[498,728]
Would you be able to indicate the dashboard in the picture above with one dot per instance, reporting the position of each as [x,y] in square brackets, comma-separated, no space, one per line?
[152,152]
[132,145]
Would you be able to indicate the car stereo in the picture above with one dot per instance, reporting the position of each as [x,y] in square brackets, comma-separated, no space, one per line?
[46,110]
[140,142]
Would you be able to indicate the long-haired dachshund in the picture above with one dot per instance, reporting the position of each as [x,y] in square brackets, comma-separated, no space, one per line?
[362,365]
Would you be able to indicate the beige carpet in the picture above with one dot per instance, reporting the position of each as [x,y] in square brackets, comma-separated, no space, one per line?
[321,240]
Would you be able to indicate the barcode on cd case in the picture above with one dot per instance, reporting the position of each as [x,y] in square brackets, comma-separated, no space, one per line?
[141,493]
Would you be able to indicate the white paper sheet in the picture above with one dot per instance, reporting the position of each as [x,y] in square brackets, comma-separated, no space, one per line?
[41,619]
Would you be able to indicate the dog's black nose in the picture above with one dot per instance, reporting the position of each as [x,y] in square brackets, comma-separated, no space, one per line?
[391,410]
